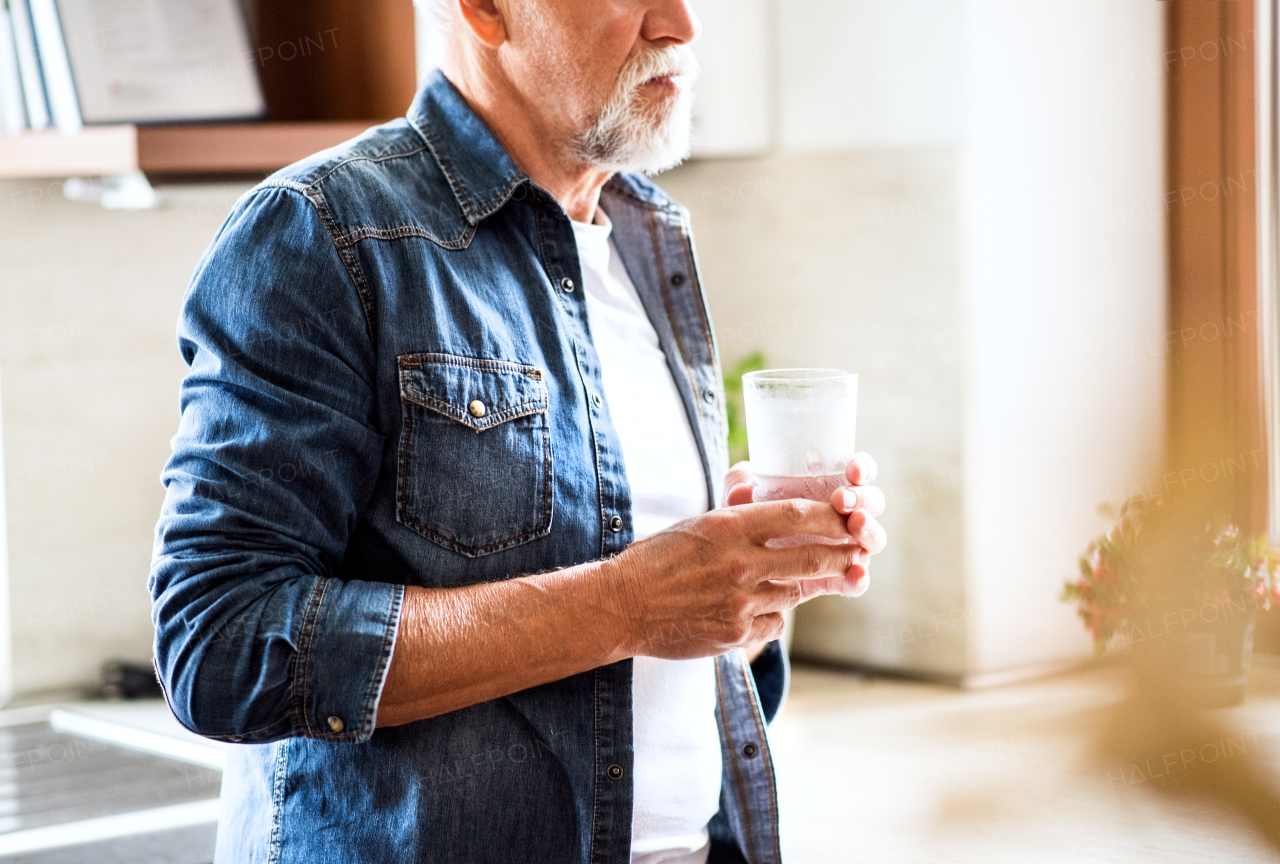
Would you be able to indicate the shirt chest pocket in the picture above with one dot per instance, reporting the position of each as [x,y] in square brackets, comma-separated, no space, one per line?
[475,453]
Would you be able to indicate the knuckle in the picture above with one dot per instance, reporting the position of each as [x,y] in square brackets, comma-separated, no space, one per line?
[814,560]
[738,570]
[794,510]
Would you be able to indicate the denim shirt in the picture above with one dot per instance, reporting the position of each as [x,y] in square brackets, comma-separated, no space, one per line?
[340,330]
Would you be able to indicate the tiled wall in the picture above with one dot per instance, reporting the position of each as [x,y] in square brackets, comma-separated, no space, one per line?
[88,305]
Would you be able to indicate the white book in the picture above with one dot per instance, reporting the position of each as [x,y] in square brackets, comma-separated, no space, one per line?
[59,86]
[29,66]
[140,61]
[13,116]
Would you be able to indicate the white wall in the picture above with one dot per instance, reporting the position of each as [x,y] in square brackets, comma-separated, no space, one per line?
[870,73]
[1063,271]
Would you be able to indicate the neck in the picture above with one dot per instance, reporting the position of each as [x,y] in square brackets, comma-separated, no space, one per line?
[538,145]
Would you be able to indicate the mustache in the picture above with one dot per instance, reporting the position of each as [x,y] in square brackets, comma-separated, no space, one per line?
[677,61]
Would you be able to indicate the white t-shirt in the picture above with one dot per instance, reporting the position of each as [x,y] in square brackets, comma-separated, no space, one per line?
[677,743]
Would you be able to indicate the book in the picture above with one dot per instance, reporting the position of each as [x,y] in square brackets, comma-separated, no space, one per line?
[59,86]
[24,39]
[156,61]
[13,114]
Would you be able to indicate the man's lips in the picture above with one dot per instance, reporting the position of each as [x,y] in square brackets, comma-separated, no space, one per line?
[671,80]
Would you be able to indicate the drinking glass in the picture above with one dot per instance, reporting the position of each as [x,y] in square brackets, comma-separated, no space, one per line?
[800,432]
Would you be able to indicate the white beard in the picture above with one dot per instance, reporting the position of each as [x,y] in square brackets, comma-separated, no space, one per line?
[631,136]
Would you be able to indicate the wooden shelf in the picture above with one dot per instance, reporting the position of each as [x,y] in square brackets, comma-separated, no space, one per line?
[242,148]
[315,100]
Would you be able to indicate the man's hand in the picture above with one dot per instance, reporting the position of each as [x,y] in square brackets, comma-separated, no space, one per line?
[710,584]
[859,501]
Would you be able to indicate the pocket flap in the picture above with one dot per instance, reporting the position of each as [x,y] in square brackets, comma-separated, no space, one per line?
[477,393]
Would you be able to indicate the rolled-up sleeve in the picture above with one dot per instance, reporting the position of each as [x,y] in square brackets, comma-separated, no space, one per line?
[275,459]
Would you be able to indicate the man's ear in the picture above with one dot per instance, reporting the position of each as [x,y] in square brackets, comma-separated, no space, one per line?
[485,20]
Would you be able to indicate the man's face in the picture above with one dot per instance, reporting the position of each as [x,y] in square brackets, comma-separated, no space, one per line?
[615,77]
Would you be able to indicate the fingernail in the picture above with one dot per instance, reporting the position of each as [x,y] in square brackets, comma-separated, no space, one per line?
[849,499]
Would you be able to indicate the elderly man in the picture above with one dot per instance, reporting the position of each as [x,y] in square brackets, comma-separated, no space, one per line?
[436,551]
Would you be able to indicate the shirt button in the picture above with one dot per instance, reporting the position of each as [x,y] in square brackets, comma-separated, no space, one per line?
[677,279]
[709,396]
[615,772]
[596,400]
[615,524]
[750,750]
[476,408]
[566,285]
[336,724]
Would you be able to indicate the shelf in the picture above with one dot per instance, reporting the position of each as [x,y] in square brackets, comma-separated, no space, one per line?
[243,148]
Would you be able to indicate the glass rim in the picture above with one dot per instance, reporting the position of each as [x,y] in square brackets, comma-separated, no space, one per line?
[798,375]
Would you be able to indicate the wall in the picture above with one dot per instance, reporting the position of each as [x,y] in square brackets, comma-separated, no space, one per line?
[1064,284]
[88,305]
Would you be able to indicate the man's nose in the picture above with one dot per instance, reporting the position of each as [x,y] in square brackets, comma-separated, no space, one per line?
[671,22]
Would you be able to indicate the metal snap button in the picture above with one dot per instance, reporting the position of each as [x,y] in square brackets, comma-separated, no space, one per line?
[336,724]
[596,400]
[615,523]
[614,771]
[566,285]
[750,750]
[677,279]
[477,408]
[709,396]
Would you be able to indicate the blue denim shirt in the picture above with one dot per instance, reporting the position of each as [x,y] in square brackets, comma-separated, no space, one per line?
[347,314]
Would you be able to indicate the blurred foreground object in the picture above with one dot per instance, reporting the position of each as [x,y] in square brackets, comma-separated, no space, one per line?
[1175,559]
[1186,598]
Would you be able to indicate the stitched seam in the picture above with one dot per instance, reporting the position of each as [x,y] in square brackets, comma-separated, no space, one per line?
[695,281]
[510,541]
[348,161]
[303,656]
[384,658]
[487,422]
[415,360]
[737,768]
[595,810]
[765,756]
[354,273]
[671,315]
[276,843]
[447,166]
[353,237]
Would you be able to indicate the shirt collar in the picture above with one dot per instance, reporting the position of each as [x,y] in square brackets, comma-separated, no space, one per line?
[480,172]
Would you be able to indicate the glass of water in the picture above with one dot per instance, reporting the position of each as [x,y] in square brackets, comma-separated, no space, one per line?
[800,431]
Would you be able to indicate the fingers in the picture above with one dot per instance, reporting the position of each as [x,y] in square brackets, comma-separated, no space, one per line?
[861,469]
[867,532]
[739,476]
[846,499]
[775,519]
[812,561]
[766,628]
[853,584]
[778,595]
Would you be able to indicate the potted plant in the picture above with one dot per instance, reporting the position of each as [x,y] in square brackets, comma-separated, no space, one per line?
[1185,599]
